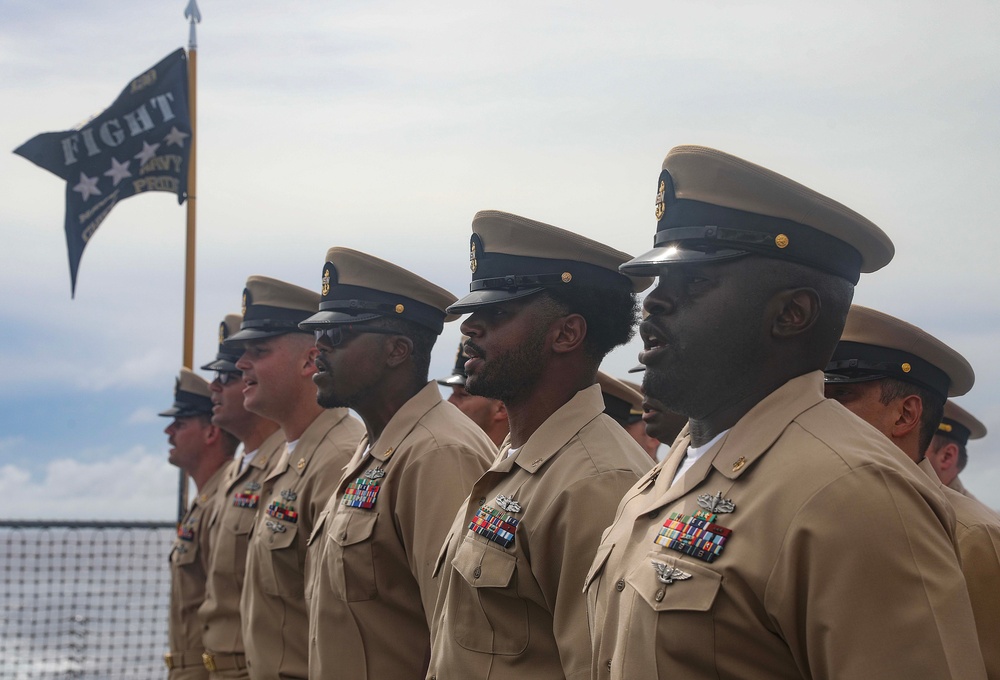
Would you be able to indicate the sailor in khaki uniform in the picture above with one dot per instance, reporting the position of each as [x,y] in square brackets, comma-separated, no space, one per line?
[948,452]
[547,306]
[238,504]
[782,537]
[489,414]
[203,451]
[372,550]
[623,402]
[278,363]
[897,378]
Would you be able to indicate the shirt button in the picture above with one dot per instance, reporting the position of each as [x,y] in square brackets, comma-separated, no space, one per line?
[654,514]
[620,586]
[659,595]
[609,665]
[481,501]
[477,572]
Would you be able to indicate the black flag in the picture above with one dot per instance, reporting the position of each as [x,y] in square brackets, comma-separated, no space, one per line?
[140,143]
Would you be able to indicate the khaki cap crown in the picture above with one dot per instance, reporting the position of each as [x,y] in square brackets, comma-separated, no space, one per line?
[713,206]
[876,345]
[959,424]
[359,287]
[192,396]
[272,307]
[227,356]
[513,257]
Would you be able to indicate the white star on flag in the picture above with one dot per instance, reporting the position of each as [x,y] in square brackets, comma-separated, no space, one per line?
[118,171]
[176,137]
[87,187]
[148,151]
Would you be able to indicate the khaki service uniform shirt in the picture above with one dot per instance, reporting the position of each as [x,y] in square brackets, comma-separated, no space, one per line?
[275,621]
[956,485]
[803,544]
[237,510]
[510,604]
[189,558]
[977,530]
[373,549]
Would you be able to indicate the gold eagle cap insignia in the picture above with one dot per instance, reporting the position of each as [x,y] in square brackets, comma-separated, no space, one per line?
[660,207]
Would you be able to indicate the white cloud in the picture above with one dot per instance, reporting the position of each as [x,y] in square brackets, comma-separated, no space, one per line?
[134,485]
[143,415]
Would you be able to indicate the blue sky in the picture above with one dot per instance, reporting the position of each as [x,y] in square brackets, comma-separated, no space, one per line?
[384,126]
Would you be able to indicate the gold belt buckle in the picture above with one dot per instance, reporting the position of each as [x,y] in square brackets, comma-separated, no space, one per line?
[209,662]
[169,660]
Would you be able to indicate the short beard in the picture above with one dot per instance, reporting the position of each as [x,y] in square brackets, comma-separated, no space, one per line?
[509,376]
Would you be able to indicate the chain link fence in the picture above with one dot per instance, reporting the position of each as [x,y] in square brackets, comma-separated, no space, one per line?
[84,600]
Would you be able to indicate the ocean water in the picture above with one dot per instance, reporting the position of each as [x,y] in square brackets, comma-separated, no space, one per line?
[84,600]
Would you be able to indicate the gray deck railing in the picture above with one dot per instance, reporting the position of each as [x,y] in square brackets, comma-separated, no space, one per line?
[83,599]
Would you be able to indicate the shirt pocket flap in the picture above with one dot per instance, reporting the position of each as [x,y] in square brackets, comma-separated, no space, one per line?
[600,559]
[320,521]
[482,566]
[349,528]
[668,583]
[278,535]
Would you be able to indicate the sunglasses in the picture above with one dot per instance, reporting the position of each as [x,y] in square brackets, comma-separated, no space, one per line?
[226,377]
[336,335]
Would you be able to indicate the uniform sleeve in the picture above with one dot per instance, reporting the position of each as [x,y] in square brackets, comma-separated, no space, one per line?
[867,584]
[432,488]
[979,548]
[562,548]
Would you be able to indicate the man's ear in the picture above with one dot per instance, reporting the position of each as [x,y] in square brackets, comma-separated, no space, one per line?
[948,456]
[499,411]
[400,348]
[212,434]
[570,332]
[911,408]
[797,311]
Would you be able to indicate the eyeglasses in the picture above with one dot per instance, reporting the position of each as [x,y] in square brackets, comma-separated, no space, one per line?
[226,377]
[336,335]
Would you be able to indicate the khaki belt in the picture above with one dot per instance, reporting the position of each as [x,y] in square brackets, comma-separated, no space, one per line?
[224,662]
[182,659]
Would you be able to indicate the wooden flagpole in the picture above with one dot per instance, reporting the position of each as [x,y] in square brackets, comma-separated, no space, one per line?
[193,15]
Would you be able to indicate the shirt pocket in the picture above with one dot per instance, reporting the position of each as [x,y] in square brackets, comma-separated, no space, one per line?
[488,613]
[184,552]
[672,594]
[281,573]
[351,559]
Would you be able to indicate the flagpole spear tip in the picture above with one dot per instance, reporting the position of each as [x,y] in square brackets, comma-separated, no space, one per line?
[193,15]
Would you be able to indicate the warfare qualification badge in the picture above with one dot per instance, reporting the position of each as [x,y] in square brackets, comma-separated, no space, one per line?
[666,574]
[374,473]
[508,504]
[716,503]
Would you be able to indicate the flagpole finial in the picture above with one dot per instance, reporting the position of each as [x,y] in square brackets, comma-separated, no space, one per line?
[193,15]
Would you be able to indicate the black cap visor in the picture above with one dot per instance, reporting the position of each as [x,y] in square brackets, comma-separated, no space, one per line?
[482,298]
[226,364]
[651,262]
